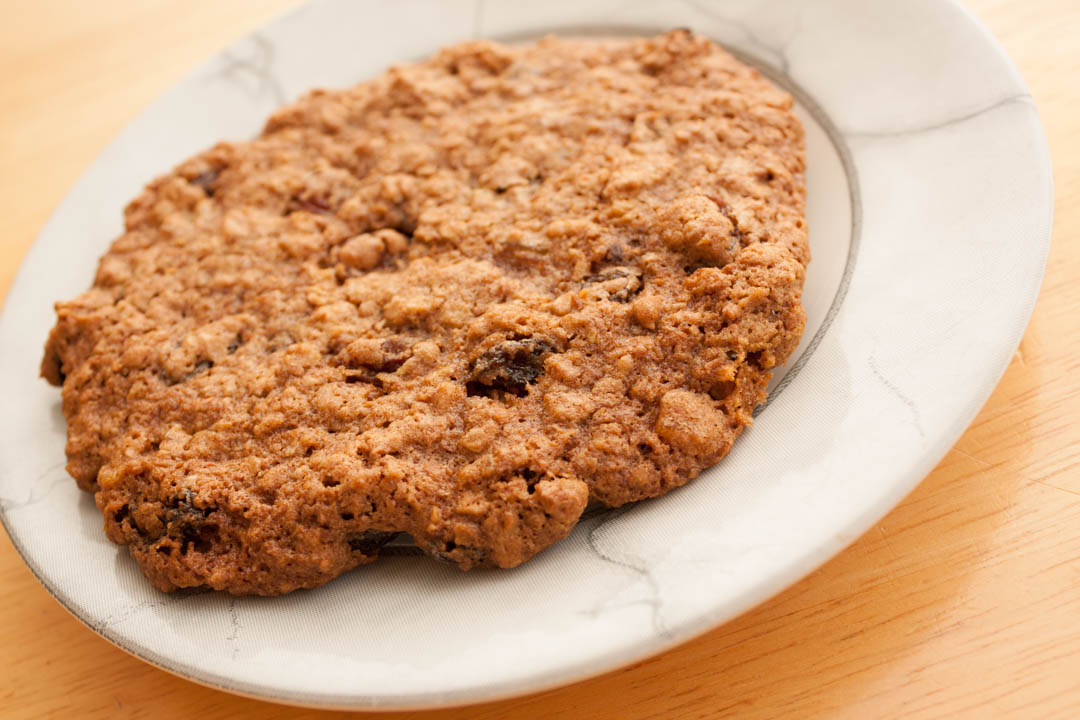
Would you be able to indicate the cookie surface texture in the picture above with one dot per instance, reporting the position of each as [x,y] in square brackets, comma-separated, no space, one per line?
[460,301]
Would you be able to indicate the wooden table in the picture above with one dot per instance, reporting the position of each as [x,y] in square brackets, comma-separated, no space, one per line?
[963,602]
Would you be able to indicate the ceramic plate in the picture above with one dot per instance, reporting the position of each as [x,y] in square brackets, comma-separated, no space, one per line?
[929,207]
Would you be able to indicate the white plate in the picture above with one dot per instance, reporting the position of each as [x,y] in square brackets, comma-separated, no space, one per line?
[930,206]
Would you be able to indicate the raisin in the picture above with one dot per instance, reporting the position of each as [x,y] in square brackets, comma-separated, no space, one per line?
[616,254]
[509,367]
[395,353]
[189,525]
[369,541]
[205,180]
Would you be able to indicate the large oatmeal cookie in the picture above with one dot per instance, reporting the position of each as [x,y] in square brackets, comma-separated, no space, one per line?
[459,301]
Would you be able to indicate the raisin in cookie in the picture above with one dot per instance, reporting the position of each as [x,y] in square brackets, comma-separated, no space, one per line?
[460,301]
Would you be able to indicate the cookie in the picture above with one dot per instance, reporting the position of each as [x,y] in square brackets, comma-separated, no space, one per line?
[459,301]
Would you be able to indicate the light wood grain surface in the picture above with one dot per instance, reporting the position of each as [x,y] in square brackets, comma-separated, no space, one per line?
[963,602]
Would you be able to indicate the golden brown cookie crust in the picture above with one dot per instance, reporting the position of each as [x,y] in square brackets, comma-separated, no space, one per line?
[460,301]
